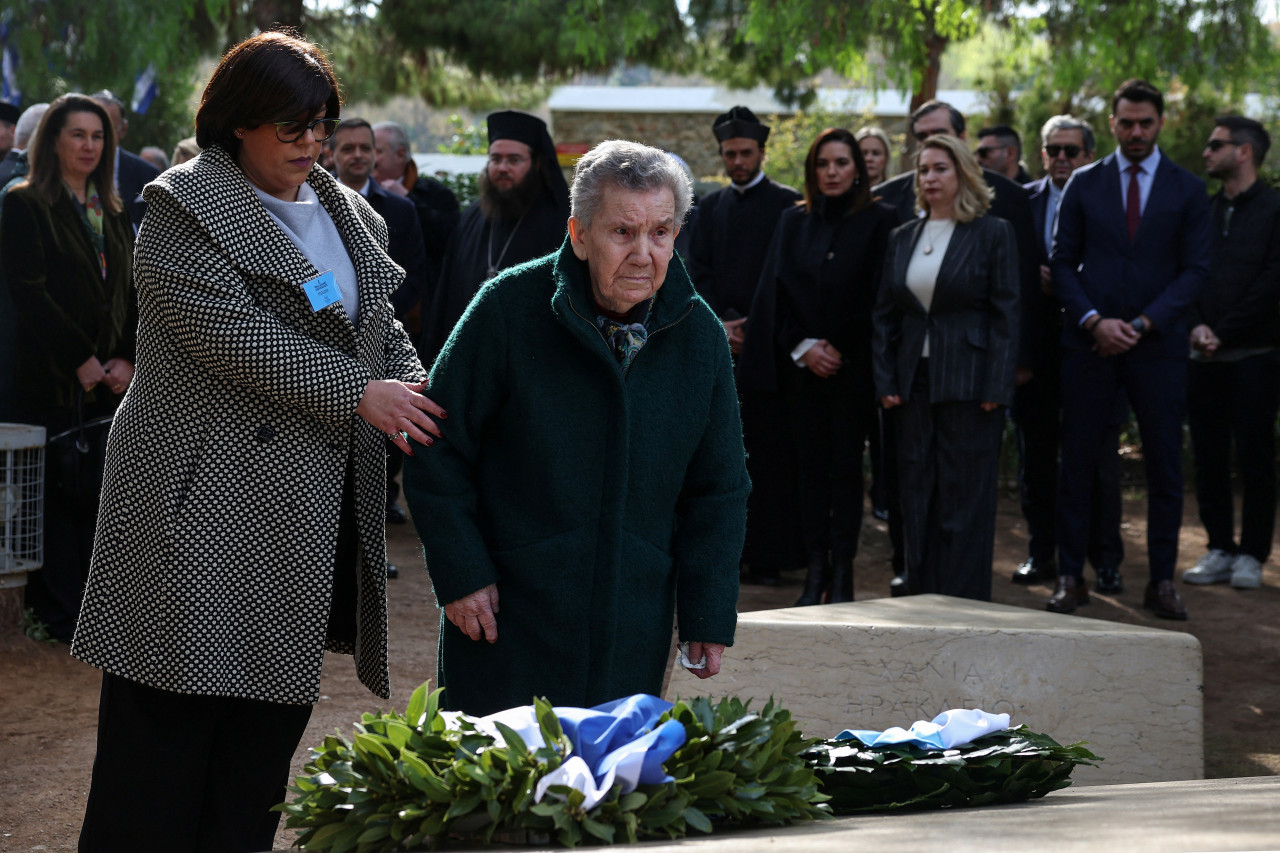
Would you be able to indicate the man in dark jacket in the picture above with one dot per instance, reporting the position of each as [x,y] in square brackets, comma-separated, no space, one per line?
[1233,380]
[731,232]
[437,206]
[132,172]
[353,157]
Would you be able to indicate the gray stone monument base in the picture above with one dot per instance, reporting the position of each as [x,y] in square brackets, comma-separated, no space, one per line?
[1133,693]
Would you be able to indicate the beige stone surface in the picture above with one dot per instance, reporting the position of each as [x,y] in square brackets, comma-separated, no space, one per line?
[1171,817]
[1133,693]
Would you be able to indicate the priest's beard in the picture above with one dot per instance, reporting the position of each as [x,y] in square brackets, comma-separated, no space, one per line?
[509,205]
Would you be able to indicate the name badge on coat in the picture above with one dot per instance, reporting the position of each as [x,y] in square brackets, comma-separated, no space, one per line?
[322,291]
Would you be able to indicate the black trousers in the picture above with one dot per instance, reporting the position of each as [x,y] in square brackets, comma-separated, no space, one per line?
[1235,401]
[184,772]
[1037,414]
[948,456]
[773,517]
[178,772]
[830,421]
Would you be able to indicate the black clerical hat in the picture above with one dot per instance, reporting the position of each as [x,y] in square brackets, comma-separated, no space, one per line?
[9,113]
[532,131]
[521,127]
[739,123]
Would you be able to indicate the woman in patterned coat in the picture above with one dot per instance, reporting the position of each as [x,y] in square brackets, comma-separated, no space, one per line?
[241,531]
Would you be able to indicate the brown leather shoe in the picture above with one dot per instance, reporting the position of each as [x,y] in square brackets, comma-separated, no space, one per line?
[1162,598]
[1069,594]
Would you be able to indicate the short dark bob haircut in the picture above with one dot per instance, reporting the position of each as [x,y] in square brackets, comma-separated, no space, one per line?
[861,188]
[274,76]
[46,168]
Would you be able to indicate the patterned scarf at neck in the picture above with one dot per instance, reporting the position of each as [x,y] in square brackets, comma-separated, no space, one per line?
[624,338]
[91,216]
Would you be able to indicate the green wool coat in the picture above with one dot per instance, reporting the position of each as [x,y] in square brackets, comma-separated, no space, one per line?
[602,506]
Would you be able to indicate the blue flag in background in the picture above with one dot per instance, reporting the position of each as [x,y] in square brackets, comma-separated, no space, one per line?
[9,91]
[144,90]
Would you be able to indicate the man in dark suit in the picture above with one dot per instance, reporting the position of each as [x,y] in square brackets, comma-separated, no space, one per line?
[1067,143]
[353,150]
[131,171]
[1130,256]
[437,206]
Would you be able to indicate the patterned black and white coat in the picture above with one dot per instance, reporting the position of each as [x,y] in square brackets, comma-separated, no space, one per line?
[215,547]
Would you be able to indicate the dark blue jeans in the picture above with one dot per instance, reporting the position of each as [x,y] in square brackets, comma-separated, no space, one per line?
[1235,401]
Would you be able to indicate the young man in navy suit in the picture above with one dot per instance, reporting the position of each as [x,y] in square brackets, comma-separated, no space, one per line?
[1130,256]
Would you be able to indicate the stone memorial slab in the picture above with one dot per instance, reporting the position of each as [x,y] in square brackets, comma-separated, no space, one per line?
[1133,693]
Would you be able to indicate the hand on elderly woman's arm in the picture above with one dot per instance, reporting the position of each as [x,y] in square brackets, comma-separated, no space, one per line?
[475,615]
[713,652]
[394,407]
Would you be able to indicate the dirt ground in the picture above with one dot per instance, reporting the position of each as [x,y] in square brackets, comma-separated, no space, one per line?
[49,701]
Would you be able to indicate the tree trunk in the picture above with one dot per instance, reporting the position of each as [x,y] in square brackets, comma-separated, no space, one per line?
[927,90]
[267,14]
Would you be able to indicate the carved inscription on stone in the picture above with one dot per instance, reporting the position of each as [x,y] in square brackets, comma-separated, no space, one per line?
[920,690]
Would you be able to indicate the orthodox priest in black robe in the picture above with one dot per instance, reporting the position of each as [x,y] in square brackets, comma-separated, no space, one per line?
[731,232]
[521,215]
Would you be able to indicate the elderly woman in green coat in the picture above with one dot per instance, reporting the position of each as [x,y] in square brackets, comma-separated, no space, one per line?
[591,474]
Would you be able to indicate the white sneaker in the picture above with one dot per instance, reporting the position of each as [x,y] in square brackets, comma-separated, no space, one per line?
[1214,567]
[1246,572]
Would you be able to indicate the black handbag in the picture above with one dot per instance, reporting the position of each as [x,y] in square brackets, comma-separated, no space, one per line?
[77,458]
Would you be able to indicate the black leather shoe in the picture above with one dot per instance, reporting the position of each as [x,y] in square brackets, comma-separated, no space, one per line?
[1034,571]
[1162,598]
[392,571]
[816,580]
[395,515]
[1109,580]
[898,586]
[1069,594]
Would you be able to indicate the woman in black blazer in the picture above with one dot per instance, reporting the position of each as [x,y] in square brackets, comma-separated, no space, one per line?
[817,291]
[66,249]
[945,350]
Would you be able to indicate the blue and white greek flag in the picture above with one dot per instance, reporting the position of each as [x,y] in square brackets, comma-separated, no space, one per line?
[144,90]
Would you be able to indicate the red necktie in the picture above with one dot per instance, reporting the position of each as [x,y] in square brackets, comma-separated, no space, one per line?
[1133,202]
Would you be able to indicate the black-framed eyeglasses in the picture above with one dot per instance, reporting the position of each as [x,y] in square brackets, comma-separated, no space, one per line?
[1072,151]
[292,131]
[1215,144]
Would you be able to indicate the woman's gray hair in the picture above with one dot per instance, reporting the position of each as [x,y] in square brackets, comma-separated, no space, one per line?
[631,166]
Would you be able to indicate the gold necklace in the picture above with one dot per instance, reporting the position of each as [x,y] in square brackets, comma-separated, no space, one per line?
[928,249]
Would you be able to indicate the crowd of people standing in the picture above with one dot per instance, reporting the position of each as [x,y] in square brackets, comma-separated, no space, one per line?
[1065,302]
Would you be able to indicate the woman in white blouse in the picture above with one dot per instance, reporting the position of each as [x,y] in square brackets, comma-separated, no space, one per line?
[944,349]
